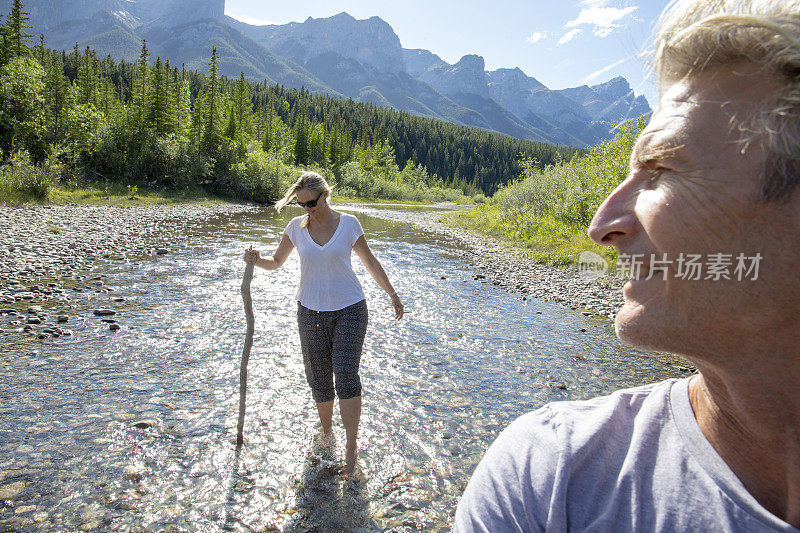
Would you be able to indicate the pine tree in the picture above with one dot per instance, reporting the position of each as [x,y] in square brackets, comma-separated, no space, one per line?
[157,115]
[87,78]
[41,53]
[210,139]
[182,100]
[141,87]
[301,136]
[260,115]
[56,86]
[269,131]
[198,118]
[15,38]
[230,130]
[242,104]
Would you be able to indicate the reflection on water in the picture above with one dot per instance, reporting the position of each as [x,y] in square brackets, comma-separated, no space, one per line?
[134,429]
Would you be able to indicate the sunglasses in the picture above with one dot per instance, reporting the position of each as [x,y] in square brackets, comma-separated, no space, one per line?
[309,204]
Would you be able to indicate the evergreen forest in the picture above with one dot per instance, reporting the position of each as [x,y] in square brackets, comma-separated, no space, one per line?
[68,117]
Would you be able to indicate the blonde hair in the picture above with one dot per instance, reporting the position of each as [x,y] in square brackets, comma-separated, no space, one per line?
[700,35]
[311,181]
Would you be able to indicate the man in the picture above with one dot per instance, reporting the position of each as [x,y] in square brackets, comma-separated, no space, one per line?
[714,176]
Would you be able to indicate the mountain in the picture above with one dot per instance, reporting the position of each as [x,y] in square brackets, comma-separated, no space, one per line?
[613,100]
[49,14]
[182,30]
[371,43]
[343,57]
[363,59]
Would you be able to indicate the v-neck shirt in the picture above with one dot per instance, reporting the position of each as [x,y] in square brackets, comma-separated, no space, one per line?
[327,279]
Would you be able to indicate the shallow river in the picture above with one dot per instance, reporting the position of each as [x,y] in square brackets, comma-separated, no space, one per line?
[133,429]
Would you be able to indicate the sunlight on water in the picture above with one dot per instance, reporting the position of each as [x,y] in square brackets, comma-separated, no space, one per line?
[134,429]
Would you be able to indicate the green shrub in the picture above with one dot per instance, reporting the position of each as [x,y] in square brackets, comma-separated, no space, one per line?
[571,191]
[22,180]
[262,177]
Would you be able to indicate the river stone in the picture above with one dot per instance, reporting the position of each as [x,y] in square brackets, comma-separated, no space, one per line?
[162,251]
[34,320]
[104,312]
[144,424]
[113,327]
[11,490]
[34,309]
[62,318]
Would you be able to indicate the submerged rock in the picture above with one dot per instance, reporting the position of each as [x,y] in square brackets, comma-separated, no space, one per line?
[11,490]
[145,423]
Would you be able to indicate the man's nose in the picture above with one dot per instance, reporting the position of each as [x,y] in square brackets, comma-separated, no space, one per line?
[615,219]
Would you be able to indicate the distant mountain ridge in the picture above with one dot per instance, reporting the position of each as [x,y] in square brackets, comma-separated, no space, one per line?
[344,57]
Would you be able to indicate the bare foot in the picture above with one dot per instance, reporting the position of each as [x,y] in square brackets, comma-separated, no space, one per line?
[350,463]
[325,441]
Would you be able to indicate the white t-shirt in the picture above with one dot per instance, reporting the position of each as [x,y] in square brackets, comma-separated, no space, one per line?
[632,461]
[327,280]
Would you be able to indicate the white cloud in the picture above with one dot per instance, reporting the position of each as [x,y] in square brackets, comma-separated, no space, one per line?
[247,19]
[537,36]
[594,3]
[603,70]
[571,34]
[602,19]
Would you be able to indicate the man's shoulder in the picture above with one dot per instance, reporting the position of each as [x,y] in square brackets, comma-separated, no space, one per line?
[535,468]
[583,419]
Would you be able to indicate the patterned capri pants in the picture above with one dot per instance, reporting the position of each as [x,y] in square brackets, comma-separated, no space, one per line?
[331,342]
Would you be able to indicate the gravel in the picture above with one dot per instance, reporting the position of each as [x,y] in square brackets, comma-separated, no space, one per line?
[47,254]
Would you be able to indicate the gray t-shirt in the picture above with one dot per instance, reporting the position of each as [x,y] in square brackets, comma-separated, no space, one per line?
[632,461]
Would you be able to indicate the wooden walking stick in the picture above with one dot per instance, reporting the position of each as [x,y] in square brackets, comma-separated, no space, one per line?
[248,343]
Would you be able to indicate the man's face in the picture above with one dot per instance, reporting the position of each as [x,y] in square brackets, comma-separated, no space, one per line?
[693,188]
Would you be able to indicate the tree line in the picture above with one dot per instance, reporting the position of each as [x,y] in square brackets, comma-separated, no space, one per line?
[153,122]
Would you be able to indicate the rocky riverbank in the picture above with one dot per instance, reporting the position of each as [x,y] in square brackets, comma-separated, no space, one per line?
[514,272]
[47,254]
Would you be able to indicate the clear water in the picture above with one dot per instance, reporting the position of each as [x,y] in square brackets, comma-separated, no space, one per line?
[438,387]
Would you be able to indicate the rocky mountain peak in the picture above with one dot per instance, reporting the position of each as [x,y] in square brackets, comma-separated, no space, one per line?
[470,62]
[613,88]
[514,79]
[418,61]
[371,42]
[46,14]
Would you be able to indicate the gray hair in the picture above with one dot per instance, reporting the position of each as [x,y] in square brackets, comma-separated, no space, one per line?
[701,35]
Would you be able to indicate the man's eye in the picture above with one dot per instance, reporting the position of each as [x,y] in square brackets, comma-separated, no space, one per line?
[656,174]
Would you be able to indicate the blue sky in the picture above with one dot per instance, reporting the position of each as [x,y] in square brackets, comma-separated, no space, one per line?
[560,43]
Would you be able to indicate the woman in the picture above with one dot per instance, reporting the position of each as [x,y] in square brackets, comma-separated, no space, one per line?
[331,309]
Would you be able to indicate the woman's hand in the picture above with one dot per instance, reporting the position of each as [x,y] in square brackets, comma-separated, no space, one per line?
[251,256]
[398,306]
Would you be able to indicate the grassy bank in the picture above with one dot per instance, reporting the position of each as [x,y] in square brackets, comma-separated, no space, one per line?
[258,177]
[546,212]
[544,239]
[125,196]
